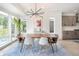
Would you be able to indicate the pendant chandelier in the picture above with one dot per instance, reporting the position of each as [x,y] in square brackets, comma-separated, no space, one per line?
[35,11]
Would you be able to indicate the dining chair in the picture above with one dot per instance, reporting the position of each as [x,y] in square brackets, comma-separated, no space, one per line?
[53,41]
[28,41]
[43,42]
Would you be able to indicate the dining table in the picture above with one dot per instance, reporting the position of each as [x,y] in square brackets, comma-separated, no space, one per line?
[51,37]
[43,35]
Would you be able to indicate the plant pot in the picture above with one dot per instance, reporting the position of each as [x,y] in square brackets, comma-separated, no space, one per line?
[21,38]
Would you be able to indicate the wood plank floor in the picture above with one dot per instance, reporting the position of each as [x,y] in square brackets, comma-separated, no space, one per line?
[71,46]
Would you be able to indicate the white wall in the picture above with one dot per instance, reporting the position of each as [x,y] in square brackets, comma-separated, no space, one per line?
[30,26]
[58,23]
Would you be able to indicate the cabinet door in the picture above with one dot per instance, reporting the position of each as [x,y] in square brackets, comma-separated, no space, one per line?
[69,20]
[76,33]
[64,21]
[68,34]
[74,21]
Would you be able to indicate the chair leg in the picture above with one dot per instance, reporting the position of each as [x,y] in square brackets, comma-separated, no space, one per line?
[56,47]
[52,48]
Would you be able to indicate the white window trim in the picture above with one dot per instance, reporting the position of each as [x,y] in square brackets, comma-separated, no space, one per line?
[52,19]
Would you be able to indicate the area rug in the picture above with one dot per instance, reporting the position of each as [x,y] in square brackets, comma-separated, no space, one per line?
[36,51]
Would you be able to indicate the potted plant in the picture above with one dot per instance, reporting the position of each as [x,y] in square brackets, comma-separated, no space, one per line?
[19,25]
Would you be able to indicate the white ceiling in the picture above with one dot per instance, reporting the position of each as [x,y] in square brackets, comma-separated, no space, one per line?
[19,9]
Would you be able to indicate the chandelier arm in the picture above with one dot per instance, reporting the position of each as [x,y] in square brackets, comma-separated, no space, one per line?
[28,13]
[41,13]
[38,10]
[32,11]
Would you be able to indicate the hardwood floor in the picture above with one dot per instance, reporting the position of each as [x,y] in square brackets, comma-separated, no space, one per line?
[71,46]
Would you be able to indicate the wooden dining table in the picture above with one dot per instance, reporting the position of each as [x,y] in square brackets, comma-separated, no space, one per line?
[52,38]
[43,35]
[49,36]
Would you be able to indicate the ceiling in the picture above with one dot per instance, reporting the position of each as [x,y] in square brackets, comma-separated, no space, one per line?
[19,9]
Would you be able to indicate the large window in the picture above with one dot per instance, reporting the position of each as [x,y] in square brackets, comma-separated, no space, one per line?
[4,30]
[8,29]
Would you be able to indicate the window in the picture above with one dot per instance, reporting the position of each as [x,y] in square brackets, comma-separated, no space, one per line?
[51,25]
[4,30]
[8,30]
[12,29]
[24,25]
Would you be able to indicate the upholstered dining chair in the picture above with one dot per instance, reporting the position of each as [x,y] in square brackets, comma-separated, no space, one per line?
[53,41]
[28,41]
[43,42]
